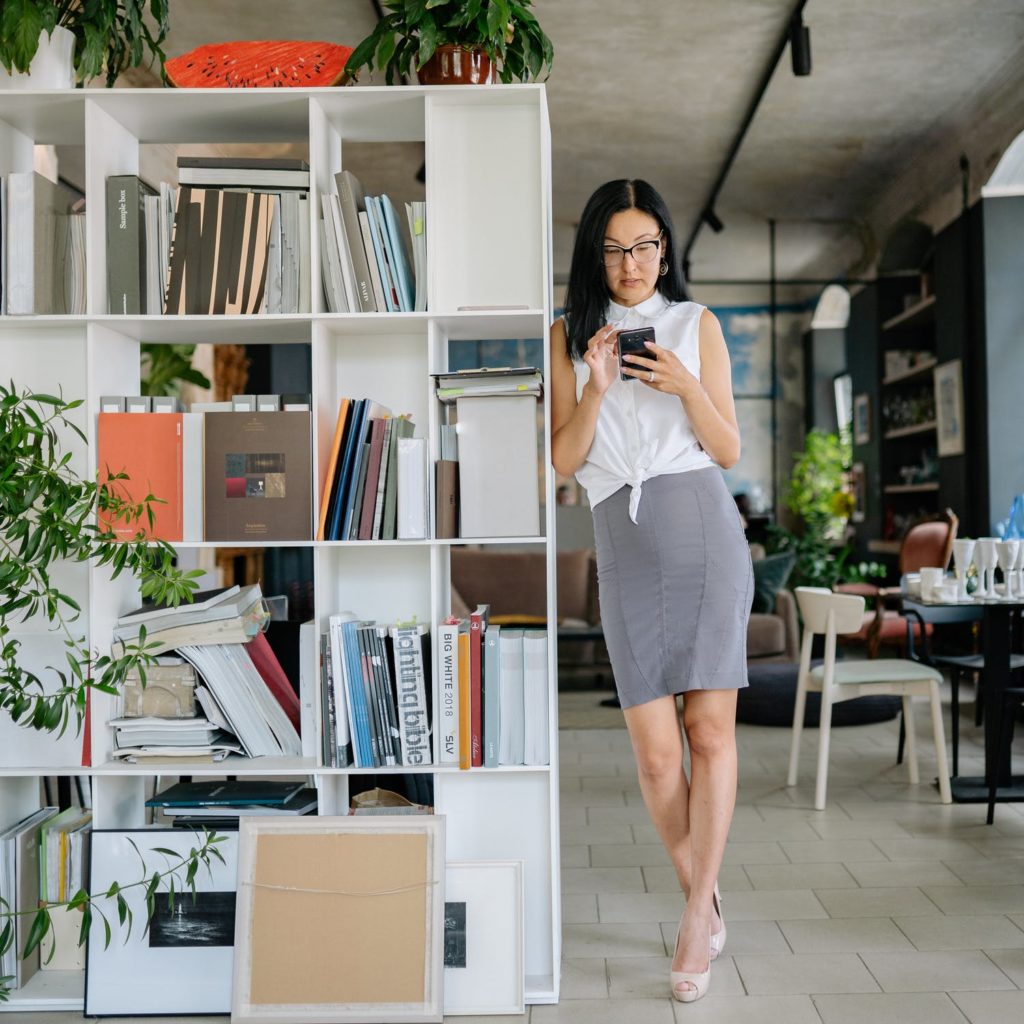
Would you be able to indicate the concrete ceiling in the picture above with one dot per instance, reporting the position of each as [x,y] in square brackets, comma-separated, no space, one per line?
[658,89]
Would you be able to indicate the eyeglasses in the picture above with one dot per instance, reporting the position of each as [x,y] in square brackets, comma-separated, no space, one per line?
[642,252]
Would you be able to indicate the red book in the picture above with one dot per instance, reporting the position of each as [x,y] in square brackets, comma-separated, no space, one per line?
[477,625]
[269,668]
[149,448]
[372,476]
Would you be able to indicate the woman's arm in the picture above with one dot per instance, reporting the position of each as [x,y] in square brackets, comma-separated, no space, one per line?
[573,423]
[708,402]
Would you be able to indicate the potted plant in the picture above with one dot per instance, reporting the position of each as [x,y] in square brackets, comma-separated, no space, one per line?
[455,41]
[99,36]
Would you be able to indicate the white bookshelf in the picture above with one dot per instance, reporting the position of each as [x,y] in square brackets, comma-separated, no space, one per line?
[489,237]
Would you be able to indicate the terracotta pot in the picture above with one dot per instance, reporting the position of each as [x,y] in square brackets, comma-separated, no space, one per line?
[455,65]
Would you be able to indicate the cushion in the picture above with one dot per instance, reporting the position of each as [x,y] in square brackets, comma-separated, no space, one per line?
[771,697]
[770,575]
[766,634]
[879,670]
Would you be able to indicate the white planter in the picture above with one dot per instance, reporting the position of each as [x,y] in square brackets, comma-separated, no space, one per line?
[51,67]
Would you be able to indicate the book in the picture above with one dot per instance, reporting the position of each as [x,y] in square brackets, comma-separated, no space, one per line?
[412,661]
[344,725]
[382,255]
[258,476]
[127,256]
[308,665]
[351,201]
[303,801]
[416,214]
[446,498]
[221,793]
[350,529]
[248,163]
[477,625]
[202,601]
[511,748]
[499,493]
[413,519]
[492,694]
[378,426]
[329,483]
[149,448]
[343,475]
[374,263]
[399,262]
[269,668]
[448,697]
[401,426]
[465,698]
[385,458]
[536,697]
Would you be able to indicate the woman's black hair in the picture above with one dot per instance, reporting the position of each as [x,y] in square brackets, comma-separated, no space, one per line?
[586,298]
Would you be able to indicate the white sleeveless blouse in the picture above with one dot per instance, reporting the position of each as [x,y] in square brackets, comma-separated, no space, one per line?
[642,433]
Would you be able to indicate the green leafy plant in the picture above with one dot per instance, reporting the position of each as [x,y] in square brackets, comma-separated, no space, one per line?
[110,35]
[165,367]
[48,514]
[818,492]
[177,877]
[406,38]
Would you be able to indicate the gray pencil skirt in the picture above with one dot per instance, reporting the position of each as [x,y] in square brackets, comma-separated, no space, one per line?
[675,587]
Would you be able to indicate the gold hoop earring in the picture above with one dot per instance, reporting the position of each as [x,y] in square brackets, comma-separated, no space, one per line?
[663,269]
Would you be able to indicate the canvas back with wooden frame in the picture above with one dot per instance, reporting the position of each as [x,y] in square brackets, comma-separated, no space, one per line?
[339,919]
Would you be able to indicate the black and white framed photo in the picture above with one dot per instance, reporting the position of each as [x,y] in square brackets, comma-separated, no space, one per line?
[182,963]
[483,938]
[949,408]
[862,418]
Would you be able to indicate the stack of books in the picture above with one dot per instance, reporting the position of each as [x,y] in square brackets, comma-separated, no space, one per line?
[477,494]
[42,247]
[232,238]
[217,805]
[375,686]
[494,693]
[364,263]
[364,481]
[248,704]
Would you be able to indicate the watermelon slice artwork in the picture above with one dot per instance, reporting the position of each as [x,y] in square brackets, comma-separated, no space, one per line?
[260,65]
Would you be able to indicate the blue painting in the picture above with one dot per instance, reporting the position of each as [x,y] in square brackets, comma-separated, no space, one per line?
[748,336]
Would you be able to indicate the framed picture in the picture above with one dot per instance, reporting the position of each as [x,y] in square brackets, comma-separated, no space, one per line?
[483,938]
[842,387]
[862,418]
[339,919]
[858,487]
[182,963]
[949,407]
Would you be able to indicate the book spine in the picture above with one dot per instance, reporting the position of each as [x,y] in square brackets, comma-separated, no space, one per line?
[393,745]
[476,708]
[413,715]
[465,700]
[492,695]
[374,265]
[351,200]
[126,242]
[448,676]
[369,690]
[412,489]
[326,702]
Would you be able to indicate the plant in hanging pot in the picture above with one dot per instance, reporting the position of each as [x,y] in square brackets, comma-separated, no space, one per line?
[106,37]
[456,42]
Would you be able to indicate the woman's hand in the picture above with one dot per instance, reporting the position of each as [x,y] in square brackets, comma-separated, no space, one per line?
[662,370]
[602,358]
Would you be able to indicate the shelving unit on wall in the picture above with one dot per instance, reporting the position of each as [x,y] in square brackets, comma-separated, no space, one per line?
[489,237]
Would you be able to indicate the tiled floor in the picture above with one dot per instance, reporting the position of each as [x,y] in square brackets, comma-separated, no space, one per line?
[885,907]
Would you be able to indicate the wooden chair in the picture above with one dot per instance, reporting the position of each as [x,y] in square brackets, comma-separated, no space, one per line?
[830,614]
[927,543]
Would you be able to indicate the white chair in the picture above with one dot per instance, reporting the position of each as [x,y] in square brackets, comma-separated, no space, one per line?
[831,614]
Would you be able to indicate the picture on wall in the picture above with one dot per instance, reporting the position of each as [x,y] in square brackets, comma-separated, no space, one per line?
[862,419]
[858,488]
[182,963]
[752,475]
[949,407]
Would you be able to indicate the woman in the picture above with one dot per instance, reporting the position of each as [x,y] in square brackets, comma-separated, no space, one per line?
[674,571]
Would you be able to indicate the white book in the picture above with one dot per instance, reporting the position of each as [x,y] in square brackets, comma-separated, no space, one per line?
[536,697]
[416,214]
[375,275]
[413,489]
[511,749]
[304,259]
[411,694]
[151,232]
[309,677]
[192,424]
[448,692]
[272,292]
[499,494]
[348,270]
[165,223]
[36,210]
[343,711]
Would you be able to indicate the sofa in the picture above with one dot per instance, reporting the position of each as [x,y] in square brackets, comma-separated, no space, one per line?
[513,584]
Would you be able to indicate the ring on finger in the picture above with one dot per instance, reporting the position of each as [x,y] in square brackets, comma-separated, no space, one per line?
[650,376]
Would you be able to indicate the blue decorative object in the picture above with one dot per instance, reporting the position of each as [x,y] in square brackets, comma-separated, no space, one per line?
[1013,525]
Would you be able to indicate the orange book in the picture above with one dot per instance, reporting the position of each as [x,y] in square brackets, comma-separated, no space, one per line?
[327,483]
[465,699]
[149,448]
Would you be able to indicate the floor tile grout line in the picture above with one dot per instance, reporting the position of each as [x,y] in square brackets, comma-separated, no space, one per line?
[984,953]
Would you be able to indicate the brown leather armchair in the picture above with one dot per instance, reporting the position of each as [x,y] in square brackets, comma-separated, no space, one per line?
[927,543]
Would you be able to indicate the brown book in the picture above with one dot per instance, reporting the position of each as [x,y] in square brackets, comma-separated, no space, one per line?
[377,428]
[446,490]
[258,472]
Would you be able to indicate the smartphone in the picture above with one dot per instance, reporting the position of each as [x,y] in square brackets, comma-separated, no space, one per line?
[631,343]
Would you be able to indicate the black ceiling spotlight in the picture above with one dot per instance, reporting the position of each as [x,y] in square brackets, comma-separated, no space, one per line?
[712,221]
[800,45]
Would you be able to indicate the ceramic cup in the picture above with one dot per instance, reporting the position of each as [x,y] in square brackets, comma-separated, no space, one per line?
[931,577]
[912,584]
[963,555]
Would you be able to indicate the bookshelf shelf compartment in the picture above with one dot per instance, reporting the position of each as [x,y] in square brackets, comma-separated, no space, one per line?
[49,991]
[917,428]
[265,329]
[914,371]
[913,316]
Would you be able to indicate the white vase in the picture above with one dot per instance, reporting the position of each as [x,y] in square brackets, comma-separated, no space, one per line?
[52,67]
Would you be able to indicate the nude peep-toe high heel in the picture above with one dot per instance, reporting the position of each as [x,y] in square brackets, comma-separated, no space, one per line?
[701,981]
[718,941]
